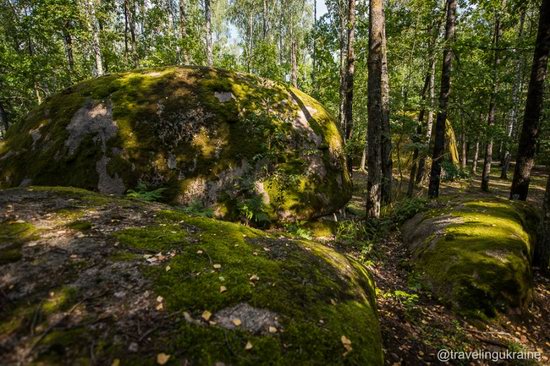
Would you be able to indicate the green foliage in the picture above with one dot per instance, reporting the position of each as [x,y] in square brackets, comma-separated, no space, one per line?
[145,193]
[298,229]
[197,208]
[452,172]
[252,211]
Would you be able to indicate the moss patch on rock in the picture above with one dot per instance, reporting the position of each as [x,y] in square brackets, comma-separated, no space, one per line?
[207,135]
[131,279]
[476,254]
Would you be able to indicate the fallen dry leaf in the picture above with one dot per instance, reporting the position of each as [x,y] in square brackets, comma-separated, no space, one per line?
[168,268]
[206,315]
[248,346]
[162,358]
[236,321]
[254,278]
[223,289]
[272,329]
[199,251]
[217,266]
[346,342]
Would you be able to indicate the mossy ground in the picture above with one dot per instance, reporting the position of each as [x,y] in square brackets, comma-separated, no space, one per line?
[317,294]
[480,263]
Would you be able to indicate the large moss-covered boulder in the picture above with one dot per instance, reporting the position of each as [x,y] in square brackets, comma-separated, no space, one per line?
[475,254]
[234,142]
[93,279]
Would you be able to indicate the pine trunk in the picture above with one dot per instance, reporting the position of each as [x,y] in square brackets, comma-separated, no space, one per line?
[492,110]
[533,108]
[377,106]
[349,78]
[208,29]
[439,143]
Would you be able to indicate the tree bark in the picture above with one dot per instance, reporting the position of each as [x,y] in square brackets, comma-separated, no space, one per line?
[342,37]
[492,109]
[377,106]
[183,52]
[429,124]
[541,257]
[208,31]
[476,157]
[385,139]
[533,108]
[445,91]
[68,42]
[96,46]
[4,123]
[347,121]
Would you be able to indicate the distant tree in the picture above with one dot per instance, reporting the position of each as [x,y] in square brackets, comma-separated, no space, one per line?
[492,105]
[445,91]
[208,32]
[533,108]
[347,120]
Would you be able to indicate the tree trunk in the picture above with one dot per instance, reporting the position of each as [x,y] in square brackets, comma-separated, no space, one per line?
[4,123]
[184,53]
[68,42]
[342,36]
[541,257]
[377,106]
[445,91]
[264,20]
[293,59]
[363,164]
[492,110]
[208,30]
[476,157]
[314,54]
[464,154]
[533,108]
[429,123]
[417,137]
[349,77]
[96,46]
[385,139]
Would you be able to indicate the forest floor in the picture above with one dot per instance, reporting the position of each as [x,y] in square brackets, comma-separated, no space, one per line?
[415,325]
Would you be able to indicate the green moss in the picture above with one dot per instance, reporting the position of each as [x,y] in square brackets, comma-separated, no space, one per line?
[59,300]
[12,236]
[317,293]
[80,225]
[481,264]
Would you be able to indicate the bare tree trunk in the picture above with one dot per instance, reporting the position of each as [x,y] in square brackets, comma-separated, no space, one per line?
[377,106]
[96,46]
[541,257]
[4,123]
[513,116]
[476,157]
[264,20]
[464,154]
[68,42]
[417,137]
[314,55]
[445,91]
[385,139]
[183,52]
[342,36]
[208,30]
[347,121]
[429,125]
[293,59]
[492,110]
[363,164]
[533,108]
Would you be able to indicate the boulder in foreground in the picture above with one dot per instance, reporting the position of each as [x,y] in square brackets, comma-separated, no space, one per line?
[87,277]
